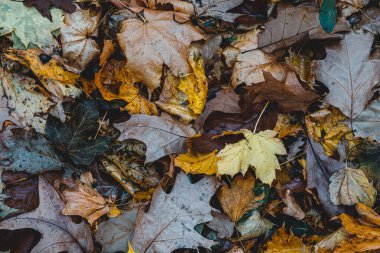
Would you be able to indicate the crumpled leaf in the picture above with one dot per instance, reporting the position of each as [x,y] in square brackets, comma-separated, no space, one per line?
[169,223]
[226,100]
[257,149]
[24,106]
[197,164]
[366,125]
[27,25]
[77,32]
[217,9]
[222,224]
[294,24]
[350,186]
[59,232]
[76,137]
[254,226]
[292,208]
[303,66]
[349,73]
[162,135]
[283,242]
[239,198]
[114,82]
[27,152]
[125,162]
[43,6]
[326,126]
[285,126]
[115,233]
[185,96]
[85,201]
[53,74]
[288,93]
[149,42]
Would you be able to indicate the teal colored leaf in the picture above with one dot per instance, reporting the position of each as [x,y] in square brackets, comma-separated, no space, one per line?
[327,15]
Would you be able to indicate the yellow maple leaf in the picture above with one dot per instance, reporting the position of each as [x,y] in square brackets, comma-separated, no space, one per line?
[197,164]
[258,150]
[283,242]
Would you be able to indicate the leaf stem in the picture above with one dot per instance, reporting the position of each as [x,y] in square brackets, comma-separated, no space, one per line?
[261,114]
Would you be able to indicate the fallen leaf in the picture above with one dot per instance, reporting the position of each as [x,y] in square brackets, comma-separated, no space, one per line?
[285,126]
[349,73]
[25,106]
[44,6]
[177,5]
[293,25]
[349,7]
[27,151]
[292,208]
[239,198]
[169,223]
[114,82]
[366,124]
[217,9]
[149,42]
[85,201]
[287,93]
[53,74]
[254,226]
[27,25]
[77,33]
[303,66]
[172,134]
[222,224]
[283,242]
[77,136]
[350,186]
[328,15]
[258,150]
[197,164]
[58,232]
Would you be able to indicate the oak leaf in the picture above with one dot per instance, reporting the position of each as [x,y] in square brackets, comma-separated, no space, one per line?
[258,150]
[148,44]
[59,232]
[85,201]
[350,186]
[169,223]
[349,73]
[162,135]
[197,164]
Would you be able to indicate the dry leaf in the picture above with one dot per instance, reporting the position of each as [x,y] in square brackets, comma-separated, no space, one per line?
[239,198]
[303,66]
[366,125]
[78,46]
[148,44]
[169,223]
[349,73]
[83,200]
[162,135]
[59,233]
[350,186]
[282,242]
[217,9]
[222,224]
[292,208]
[285,127]
[254,226]
[197,164]
[258,150]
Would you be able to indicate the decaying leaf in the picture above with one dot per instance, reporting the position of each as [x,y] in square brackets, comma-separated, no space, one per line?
[77,136]
[258,150]
[283,242]
[285,126]
[149,42]
[350,186]
[85,201]
[169,223]
[292,208]
[27,26]
[254,226]
[217,9]
[222,224]
[197,164]
[27,151]
[349,73]
[295,24]
[303,66]
[162,135]
[239,198]
[115,233]
[77,34]
[59,232]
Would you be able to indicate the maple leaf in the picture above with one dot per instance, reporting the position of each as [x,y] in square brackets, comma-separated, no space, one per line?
[59,232]
[197,164]
[83,200]
[77,34]
[169,223]
[162,135]
[366,124]
[149,42]
[44,6]
[258,150]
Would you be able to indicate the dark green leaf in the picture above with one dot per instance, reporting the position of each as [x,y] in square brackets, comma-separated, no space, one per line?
[76,136]
[327,15]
